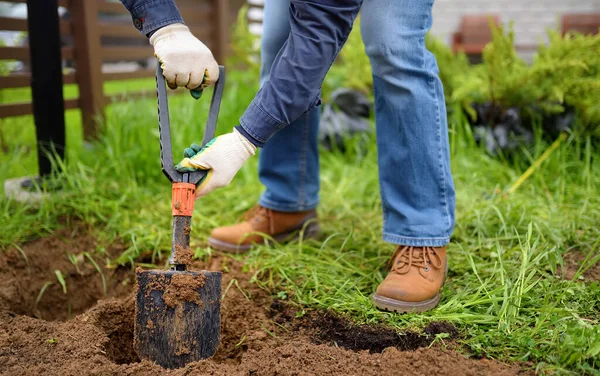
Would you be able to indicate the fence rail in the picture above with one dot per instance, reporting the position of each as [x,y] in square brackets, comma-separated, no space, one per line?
[100,31]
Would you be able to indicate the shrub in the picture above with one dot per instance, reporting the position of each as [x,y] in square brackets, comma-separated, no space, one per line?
[565,73]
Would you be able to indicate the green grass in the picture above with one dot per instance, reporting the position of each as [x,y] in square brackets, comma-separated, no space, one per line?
[504,290]
[71,91]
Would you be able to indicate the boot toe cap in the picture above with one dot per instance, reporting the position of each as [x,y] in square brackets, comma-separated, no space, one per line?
[236,234]
[401,292]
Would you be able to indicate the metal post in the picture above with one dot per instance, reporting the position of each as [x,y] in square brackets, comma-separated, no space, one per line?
[46,80]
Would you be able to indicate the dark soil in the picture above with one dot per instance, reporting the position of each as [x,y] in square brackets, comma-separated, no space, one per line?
[259,336]
[572,263]
[22,278]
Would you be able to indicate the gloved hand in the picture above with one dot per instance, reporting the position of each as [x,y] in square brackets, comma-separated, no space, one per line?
[223,156]
[184,59]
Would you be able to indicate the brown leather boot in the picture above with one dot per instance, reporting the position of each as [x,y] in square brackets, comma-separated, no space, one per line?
[259,222]
[413,285]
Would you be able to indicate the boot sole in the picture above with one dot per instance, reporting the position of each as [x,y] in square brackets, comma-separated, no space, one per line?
[400,306]
[312,230]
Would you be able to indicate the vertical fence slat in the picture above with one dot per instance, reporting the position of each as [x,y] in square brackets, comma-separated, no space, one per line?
[88,62]
[222,29]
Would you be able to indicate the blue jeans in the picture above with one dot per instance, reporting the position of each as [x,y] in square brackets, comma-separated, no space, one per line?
[417,191]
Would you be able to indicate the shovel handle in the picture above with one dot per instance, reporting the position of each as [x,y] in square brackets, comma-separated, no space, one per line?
[164,126]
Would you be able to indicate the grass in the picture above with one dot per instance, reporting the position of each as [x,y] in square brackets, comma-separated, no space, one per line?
[504,290]
[71,91]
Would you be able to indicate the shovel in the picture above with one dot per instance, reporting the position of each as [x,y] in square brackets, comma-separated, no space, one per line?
[177,311]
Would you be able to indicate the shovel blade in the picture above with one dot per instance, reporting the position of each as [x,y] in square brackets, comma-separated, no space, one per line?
[177,316]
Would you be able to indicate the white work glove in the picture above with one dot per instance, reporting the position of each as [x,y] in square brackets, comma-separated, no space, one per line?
[184,59]
[223,156]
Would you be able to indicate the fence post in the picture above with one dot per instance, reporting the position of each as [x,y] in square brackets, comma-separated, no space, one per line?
[88,63]
[222,30]
[46,81]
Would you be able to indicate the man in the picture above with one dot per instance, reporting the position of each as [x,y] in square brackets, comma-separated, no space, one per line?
[300,41]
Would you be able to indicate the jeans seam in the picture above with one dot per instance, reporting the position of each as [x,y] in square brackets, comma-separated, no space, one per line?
[384,211]
[442,175]
[416,241]
[444,200]
[303,164]
[416,237]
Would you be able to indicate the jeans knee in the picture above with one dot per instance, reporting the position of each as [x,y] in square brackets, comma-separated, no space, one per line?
[393,32]
[403,57]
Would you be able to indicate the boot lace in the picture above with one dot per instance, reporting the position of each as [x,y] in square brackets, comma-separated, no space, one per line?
[406,257]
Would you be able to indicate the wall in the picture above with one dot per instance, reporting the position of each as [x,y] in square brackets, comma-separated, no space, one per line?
[531,18]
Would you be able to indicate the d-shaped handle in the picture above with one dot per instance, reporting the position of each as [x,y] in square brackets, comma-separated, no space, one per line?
[164,126]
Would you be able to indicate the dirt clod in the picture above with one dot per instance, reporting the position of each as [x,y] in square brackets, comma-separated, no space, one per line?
[184,288]
[183,256]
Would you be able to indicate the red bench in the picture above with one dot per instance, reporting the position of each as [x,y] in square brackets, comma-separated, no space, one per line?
[473,34]
[582,23]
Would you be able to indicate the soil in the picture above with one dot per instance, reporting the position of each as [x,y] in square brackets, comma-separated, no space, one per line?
[572,262]
[24,274]
[259,335]
[183,255]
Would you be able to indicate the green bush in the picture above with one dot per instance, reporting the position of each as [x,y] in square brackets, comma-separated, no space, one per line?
[569,68]
[565,73]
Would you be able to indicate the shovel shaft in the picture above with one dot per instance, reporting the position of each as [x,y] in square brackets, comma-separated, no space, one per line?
[182,208]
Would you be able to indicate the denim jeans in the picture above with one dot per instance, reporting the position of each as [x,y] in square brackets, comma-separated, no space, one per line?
[417,191]
[289,161]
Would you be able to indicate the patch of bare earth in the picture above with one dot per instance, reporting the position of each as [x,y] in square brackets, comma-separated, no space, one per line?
[573,261]
[259,336]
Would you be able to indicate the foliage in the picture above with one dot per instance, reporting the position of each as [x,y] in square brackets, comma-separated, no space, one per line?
[572,65]
[565,73]
[245,46]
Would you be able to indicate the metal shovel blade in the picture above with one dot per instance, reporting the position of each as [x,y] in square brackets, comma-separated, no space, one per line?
[177,316]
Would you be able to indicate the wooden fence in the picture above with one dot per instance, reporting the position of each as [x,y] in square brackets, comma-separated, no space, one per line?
[100,31]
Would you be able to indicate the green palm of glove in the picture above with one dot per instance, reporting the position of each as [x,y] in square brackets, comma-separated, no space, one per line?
[191,152]
[197,93]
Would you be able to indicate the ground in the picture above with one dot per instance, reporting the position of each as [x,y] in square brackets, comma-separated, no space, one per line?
[87,332]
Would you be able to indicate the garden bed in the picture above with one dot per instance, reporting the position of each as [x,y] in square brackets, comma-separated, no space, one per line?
[75,333]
